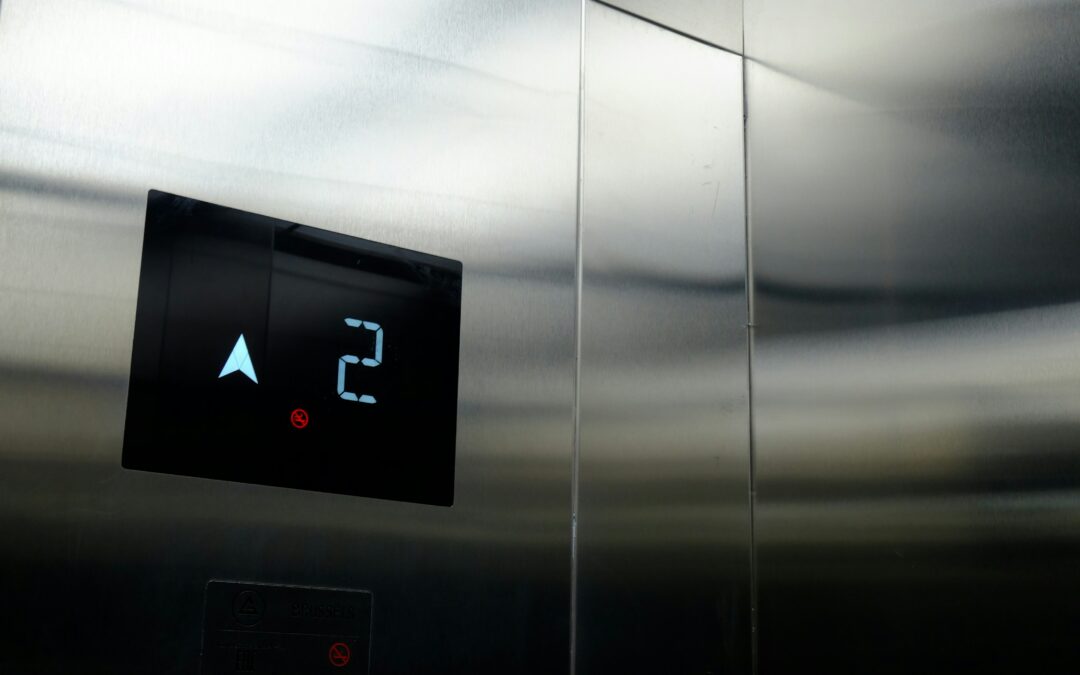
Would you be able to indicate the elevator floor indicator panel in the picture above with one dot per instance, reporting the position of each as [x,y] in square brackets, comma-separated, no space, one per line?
[256,628]
[275,353]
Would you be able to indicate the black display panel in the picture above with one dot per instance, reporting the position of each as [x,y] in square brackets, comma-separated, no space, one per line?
[275,353]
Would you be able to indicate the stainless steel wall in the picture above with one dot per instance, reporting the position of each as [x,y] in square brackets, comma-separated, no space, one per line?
[913,170]
[446,127]
[663,558]
[719,22]
[913,179]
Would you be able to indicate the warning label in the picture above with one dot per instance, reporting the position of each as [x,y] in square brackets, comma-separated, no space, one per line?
[259,628]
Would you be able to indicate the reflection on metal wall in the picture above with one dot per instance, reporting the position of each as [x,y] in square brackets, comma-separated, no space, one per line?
[446,127]
[717,21]
[913,171]
[663,525]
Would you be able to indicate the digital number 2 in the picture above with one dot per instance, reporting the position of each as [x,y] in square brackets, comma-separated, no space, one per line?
[351,359]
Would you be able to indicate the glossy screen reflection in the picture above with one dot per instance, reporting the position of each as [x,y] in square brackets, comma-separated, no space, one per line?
[274,353]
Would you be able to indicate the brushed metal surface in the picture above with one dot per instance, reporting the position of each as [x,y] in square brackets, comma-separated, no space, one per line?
[441,126]
[663,510]
[914,173]
[719,22]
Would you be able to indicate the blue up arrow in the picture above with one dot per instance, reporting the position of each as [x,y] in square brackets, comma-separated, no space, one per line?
[239,360]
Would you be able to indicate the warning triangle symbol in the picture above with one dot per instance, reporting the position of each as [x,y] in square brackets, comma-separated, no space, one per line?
[249,606]
[239,360]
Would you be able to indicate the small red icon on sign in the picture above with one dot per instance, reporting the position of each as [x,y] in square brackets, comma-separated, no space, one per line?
[299,418]
[340,654]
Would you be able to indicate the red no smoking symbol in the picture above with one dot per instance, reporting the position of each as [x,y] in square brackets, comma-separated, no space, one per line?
[299,418]
[340,654]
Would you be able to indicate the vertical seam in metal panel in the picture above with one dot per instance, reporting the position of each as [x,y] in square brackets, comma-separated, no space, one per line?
[750,334]
[578,272]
